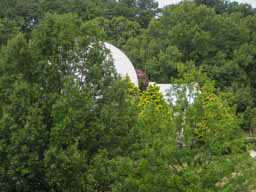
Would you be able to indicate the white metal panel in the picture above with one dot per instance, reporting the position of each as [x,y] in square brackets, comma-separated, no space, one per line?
[122,63]
[169,92]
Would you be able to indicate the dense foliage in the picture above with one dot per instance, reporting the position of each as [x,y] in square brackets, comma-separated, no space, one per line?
[69,123]
[222,45]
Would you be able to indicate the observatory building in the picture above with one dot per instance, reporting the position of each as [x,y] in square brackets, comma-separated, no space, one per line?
[122,63]
[125,68]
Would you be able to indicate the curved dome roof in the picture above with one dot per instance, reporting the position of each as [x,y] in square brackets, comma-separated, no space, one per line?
[122,63]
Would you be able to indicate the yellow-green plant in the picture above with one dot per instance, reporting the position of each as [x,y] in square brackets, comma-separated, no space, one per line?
[152,98]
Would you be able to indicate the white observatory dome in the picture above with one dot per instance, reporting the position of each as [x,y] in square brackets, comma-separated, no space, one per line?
[122,63]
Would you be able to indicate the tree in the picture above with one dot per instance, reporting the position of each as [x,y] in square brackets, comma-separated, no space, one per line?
[59,106]
[148,9]
[26,13]
[118,29]
[64,112]
[222,6]
[195,33]
[8,29]
[157,163]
